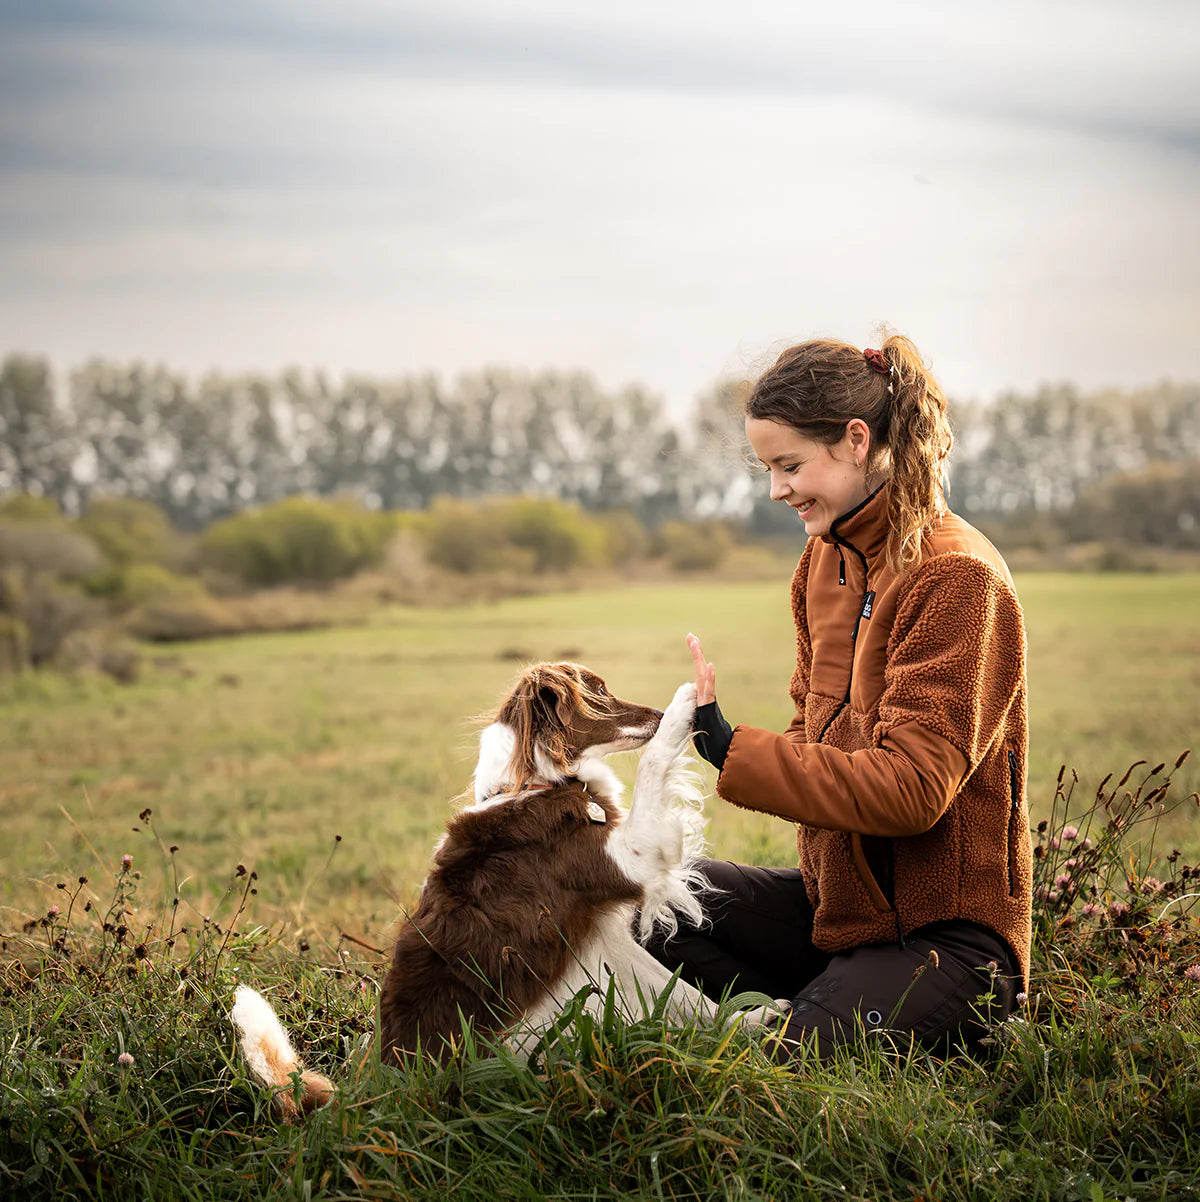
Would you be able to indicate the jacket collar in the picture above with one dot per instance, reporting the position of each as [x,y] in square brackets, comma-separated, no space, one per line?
[865,527]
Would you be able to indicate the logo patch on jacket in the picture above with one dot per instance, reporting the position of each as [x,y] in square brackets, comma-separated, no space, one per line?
[868,603]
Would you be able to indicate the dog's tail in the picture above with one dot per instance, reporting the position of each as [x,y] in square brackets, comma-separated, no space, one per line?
[272,1058]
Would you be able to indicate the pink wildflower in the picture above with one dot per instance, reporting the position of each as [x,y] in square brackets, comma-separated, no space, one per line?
[1062,880]
[125,1060]
[1091,910]
[53,912]
[1070,832]
[126,863]
[1118,909]
[1055,843]
[1192,973]
[1151,885]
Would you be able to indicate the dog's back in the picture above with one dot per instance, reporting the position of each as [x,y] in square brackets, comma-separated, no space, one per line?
[515,887]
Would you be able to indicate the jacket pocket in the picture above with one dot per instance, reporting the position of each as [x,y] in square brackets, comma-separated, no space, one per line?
[1014,813]
[879,898]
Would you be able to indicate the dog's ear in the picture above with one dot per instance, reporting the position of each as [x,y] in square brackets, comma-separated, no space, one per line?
[537,712]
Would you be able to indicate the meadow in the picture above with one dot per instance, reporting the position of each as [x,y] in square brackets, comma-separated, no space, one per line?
[287,789]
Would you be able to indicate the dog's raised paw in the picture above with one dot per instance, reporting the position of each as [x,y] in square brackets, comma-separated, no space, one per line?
[676,726]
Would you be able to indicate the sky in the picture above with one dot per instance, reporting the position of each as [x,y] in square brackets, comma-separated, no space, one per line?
[658,192]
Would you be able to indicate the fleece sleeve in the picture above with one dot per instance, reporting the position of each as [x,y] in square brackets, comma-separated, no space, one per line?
[955,660]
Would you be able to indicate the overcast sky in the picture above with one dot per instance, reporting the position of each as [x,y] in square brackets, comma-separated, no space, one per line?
[660,192]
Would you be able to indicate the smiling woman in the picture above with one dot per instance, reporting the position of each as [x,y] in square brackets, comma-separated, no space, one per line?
[904,767]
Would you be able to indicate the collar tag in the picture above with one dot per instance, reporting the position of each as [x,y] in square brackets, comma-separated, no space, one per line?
[595,812]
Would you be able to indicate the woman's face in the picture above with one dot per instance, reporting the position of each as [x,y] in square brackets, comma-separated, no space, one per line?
[820,483]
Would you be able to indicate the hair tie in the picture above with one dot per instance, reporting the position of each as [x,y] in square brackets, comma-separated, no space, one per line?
[879,361]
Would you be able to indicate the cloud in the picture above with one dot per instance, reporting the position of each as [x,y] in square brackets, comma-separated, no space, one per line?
[662,197]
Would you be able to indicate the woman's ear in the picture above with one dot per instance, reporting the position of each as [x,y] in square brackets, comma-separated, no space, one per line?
[858,440]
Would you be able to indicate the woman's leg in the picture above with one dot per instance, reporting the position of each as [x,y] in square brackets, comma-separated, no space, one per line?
[940,990]
[757,934]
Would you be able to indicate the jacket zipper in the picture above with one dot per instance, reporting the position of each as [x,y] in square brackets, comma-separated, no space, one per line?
[864,611]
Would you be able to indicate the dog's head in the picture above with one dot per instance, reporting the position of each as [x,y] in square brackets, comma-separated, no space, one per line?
[558,716]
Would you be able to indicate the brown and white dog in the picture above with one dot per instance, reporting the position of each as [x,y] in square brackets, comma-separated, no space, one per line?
[537,885]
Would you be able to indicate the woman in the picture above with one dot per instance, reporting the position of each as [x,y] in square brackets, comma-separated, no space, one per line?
[904,768]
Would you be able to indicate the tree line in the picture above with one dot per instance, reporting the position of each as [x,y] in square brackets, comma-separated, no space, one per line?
[203,451]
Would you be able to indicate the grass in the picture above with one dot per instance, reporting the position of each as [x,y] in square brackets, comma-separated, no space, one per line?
[254,755]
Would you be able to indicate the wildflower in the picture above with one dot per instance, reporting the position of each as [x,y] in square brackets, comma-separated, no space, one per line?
[126,863]
[53,912]
[1091,910]
[1055,843]
[1117,909]
[1192,973]
[1070,832]
[1151,885]
[125,1060]
[1062,880]
[1041,893]
[1022,998]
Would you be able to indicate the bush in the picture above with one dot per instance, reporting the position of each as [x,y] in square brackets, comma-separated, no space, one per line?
[299,539]
[625,538]
[694,546]
[559,535]
[140,582]
[127,530]
[47,611]
[467,538]
[14,644]
[47,546]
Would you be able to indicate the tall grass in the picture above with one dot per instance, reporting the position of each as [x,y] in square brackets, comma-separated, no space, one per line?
[121,1077]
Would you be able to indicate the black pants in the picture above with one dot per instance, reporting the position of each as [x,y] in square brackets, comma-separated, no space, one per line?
[759,937]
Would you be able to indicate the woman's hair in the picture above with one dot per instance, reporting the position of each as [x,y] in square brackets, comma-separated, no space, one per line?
[818,387]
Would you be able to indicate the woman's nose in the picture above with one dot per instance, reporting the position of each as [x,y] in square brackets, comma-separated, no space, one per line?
[779,487]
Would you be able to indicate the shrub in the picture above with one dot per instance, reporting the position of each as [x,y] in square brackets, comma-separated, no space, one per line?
[694,546]
[559,534]
[299,539]
[625,538]
[466,538]
[14,644]
[127,530]
[47,546]
[47,611]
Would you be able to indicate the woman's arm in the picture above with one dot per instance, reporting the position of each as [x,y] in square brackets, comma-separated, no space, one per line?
[955,664]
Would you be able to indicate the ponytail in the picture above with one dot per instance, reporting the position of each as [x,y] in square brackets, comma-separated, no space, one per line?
[919,442]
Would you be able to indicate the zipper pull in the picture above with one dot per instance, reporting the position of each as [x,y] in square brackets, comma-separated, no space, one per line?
[841,568]
[868,604]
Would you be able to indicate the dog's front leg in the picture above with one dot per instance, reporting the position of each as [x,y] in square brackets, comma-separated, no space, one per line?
[645,843]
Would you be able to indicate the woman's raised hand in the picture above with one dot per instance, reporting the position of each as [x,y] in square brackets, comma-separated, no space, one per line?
[706,674]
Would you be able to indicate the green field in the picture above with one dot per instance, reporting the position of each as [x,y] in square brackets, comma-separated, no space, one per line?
[262,749]
[119,1075]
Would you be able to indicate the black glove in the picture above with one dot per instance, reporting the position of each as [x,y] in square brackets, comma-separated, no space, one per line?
[712,734]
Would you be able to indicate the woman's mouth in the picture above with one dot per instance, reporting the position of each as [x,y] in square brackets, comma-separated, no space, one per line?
[803,507]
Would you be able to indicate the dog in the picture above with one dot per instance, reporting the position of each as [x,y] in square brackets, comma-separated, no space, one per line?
[537,885]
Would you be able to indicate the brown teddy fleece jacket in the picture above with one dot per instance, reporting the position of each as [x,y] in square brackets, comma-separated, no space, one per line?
[905,763]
